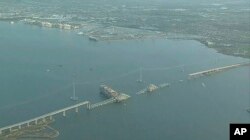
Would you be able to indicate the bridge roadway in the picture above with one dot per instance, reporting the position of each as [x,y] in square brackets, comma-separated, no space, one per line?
[50,115]
[201,73]
[108,101]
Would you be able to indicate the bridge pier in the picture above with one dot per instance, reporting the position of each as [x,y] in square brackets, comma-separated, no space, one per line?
[35,121]
[88,106]
[215,70]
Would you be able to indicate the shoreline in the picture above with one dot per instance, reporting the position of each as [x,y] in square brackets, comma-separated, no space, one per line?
[162,35]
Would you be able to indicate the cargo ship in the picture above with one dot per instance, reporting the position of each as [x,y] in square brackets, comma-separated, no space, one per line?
[110,93]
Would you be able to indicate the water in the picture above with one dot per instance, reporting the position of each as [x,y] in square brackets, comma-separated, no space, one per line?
[38,66]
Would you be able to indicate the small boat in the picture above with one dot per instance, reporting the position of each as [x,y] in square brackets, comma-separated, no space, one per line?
[180,80]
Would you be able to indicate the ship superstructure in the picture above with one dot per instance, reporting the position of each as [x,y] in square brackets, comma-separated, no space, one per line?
[110,93]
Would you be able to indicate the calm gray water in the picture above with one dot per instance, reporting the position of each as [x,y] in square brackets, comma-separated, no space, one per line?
[38,65]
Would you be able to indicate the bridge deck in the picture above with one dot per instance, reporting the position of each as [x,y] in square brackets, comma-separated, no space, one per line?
[108,101]
[45,115]
[216,69]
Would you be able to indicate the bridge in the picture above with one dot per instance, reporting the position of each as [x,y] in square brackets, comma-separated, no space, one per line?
[108,101]
[214,70]
[43,117]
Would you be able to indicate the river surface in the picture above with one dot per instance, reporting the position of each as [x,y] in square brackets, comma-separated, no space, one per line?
[38,66]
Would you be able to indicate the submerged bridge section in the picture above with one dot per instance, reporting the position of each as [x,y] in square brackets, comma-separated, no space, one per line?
[50,115]
[214,70]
